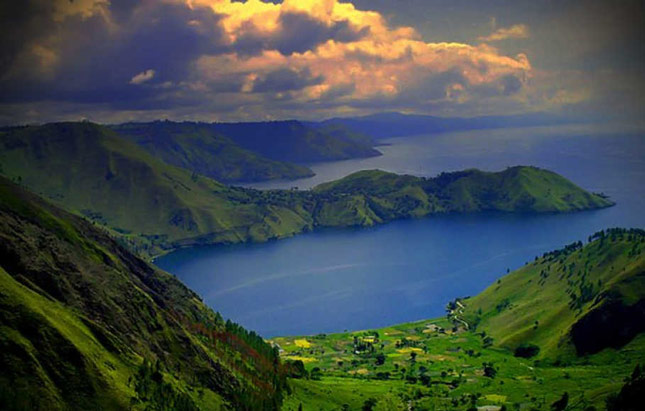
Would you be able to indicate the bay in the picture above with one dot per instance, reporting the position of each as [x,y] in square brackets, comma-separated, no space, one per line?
[333,280]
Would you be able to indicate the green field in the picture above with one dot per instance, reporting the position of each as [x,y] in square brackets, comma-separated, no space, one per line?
[467,358]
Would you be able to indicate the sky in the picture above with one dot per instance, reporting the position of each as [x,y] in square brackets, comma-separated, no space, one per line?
[221,60]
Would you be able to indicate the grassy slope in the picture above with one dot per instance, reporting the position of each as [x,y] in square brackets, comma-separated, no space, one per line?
[90,170]
[452,357]
[557,291]
[155,207]
[371,197]
[197,147]
[78,313]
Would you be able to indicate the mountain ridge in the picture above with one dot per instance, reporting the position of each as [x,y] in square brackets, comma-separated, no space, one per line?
[155,207]
[86,324]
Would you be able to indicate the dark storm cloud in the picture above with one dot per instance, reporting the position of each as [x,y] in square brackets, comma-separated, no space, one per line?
[98,65]
[298,33]
[301,32]
[20,23]
[510,85]
[286,80]
[294,57]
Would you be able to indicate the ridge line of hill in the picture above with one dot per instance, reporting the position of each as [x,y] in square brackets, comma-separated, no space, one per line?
[155,207]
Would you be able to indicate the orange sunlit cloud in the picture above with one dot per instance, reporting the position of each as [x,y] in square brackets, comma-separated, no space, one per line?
[378,61]
[255,59]
[516,31]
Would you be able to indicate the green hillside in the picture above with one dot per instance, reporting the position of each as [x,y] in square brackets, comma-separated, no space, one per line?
[84,324]
[374,196]
[155,207]
[90,170]
[197,147]
[483,353]
[578,300]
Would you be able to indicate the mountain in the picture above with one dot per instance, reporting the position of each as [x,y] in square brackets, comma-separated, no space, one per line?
[155,207]
[197,147]
[563,332]
[297,142]
[387,125]
[91,170]
[578,300]
[342,132]
[374,196]
[84,324]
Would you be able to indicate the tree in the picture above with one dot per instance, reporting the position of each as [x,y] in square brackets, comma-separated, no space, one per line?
[562,403]
[380,358]
[369,404]
[527,350]
[425,379]
[315,374]
[489,370]
[296,369]
[389,402]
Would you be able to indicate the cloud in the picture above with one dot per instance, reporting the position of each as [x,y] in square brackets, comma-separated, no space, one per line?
[341,46]
[143,77]
[239,60]
[516,31]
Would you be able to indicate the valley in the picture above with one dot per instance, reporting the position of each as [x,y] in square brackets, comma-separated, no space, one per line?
[444,364]
[60,302]
[306,205]
[156,208]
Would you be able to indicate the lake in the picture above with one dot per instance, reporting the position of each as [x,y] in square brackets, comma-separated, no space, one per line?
[335,280]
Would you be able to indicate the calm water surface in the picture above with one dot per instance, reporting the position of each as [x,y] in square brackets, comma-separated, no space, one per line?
[333,280]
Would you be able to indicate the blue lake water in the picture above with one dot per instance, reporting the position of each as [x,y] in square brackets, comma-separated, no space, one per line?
[332,280]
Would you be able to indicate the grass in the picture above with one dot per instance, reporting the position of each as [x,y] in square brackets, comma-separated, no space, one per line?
[198,147]
[441,364]
[80,316]
[154,207]
[454,374]
[540,302]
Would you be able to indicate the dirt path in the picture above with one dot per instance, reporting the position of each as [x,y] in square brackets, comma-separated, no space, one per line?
[459,310]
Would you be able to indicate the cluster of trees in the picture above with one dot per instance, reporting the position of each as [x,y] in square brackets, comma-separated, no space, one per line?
[614,234]
[527,350]
[489,369]
[153,393]
[568,249]
[253,340]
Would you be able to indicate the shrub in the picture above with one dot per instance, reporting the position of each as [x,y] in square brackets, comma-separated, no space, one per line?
[527,350]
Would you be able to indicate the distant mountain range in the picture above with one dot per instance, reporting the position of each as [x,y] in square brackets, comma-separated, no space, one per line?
[244,152]
[387,125]
[155,207]
[258,151]
[85,323]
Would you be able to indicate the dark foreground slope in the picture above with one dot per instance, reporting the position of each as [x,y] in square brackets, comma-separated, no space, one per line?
[568,329]
[155,207]
[84,324]
[199,148]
